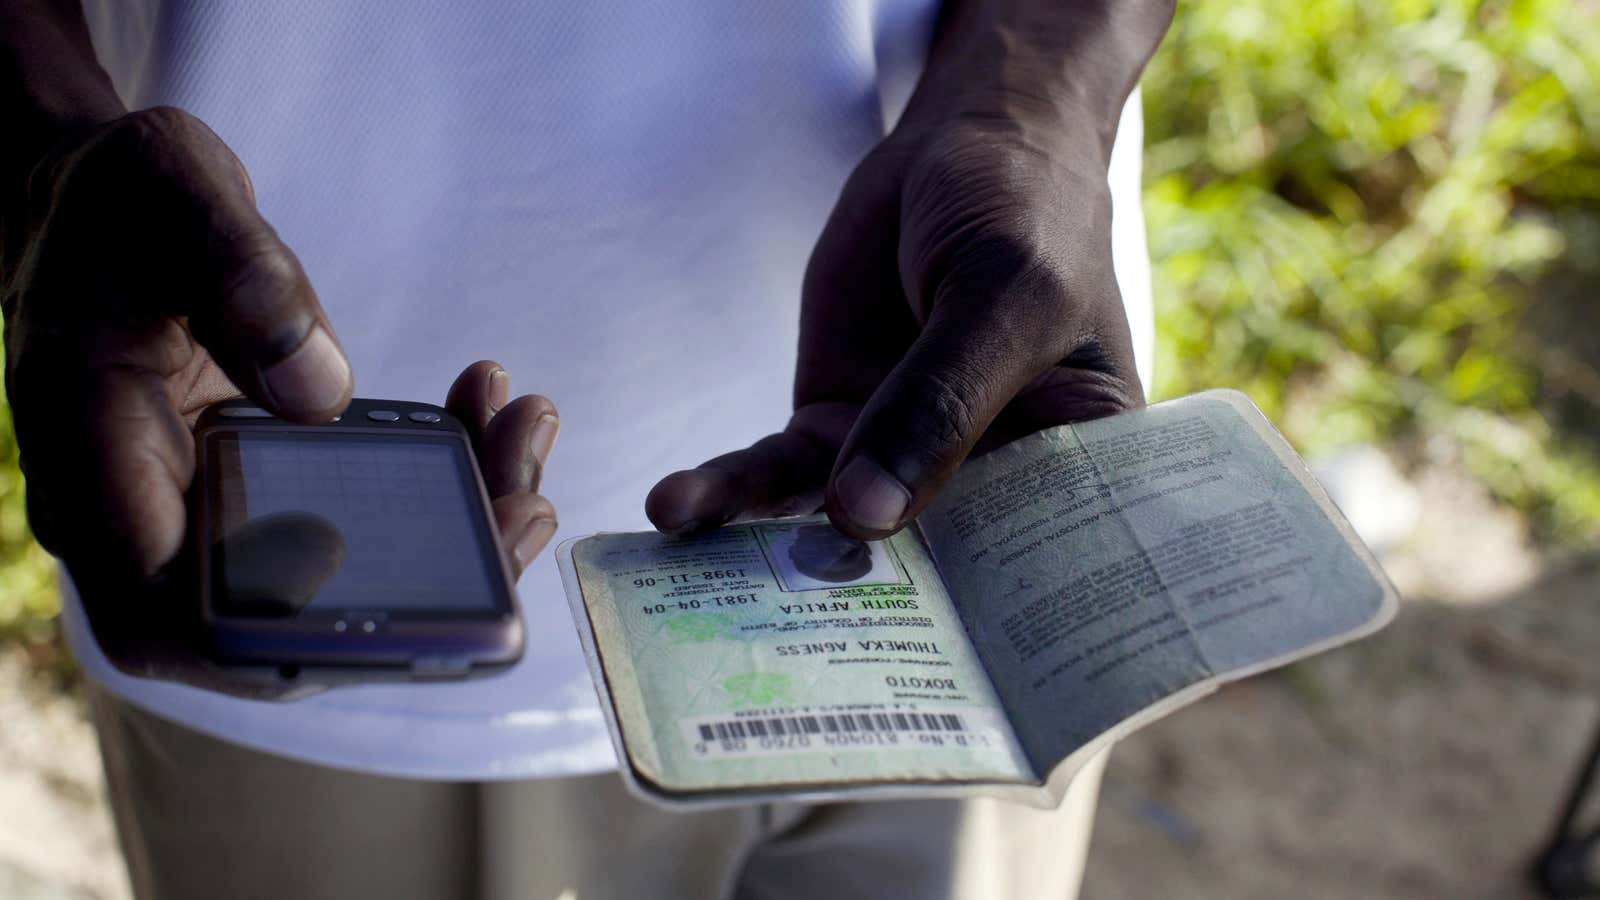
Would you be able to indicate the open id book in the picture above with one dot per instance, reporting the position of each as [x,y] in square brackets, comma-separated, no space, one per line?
[1064,590]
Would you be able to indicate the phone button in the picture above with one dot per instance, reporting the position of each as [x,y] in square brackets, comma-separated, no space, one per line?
[383,415]
[243,412]
[426,418]
[365,623]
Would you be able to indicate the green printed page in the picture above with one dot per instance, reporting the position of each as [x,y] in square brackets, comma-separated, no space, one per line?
[783,654]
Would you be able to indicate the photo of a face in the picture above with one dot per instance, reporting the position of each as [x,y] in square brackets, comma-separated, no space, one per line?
[821,552]
[809,556]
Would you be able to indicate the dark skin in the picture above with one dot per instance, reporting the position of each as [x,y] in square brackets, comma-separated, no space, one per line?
[141,285]
[148,288]
[960,295]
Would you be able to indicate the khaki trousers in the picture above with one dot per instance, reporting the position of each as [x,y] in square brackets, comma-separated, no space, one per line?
[201,818]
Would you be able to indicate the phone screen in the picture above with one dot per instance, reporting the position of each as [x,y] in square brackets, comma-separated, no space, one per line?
[323,523]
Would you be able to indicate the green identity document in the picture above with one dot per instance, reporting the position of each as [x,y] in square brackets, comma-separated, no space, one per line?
[1062,591]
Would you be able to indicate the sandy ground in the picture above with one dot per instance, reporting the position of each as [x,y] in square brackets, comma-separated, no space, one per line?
[56,839]
[1426,762]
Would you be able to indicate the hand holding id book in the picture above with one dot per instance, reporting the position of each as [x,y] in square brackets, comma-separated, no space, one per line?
[1064,590]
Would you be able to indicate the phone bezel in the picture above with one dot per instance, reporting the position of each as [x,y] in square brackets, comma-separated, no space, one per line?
[436,639]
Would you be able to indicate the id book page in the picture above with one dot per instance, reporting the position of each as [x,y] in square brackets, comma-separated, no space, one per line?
[783,655]
[1111,571]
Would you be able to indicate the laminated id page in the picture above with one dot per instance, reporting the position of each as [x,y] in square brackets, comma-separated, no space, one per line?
[1062,591]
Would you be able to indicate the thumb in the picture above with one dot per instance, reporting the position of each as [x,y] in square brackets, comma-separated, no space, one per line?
[926,416]
[251,304]
[188,241]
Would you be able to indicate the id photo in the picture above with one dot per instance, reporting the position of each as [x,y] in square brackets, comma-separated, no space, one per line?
[811,556]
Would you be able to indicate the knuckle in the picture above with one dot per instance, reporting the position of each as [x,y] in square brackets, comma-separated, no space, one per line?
[259,265]
[527,408]
[156,177]
[259,281]
[1034,300]
[166,123]
[134,145]
[161,155]
[1012,268]
[954,403]
[162,120]
[252,293]
[167,142]
[1043,302]
[942,413]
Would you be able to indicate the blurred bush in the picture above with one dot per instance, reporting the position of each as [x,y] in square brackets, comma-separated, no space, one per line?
[27,574]
[1353,203]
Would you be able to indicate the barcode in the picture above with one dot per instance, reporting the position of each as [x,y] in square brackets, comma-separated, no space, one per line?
[835,723]
[964,729]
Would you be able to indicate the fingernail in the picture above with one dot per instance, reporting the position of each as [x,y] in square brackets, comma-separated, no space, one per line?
[871,497]
[499,390]
[314,377]
[533,540]
[544,436]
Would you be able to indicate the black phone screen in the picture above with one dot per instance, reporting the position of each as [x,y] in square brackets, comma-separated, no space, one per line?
[323,523]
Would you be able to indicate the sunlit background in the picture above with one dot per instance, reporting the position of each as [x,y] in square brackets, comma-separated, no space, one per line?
[1382,221]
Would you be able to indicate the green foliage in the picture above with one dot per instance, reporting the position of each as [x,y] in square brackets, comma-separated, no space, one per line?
[1352,202]
[28,596]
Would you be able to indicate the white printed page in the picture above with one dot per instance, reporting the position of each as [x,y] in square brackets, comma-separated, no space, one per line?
[1100,568]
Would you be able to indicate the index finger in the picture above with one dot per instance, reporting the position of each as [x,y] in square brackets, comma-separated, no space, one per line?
[781,474]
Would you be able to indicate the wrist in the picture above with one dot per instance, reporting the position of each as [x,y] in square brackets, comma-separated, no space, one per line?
[1056,70]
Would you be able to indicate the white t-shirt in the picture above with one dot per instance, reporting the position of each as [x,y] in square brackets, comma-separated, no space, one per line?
[614,199]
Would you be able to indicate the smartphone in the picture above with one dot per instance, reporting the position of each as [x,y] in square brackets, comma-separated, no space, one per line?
[365,543]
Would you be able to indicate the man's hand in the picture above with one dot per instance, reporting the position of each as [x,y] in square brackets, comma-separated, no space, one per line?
[139,284]
[142,285]
[146,287]
[961,294]
[148,627]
